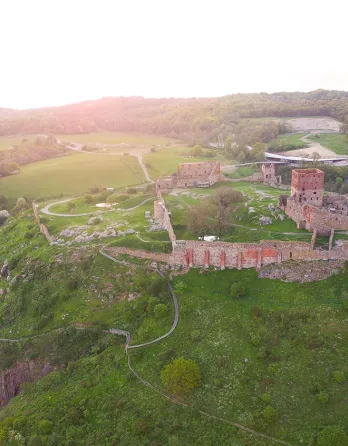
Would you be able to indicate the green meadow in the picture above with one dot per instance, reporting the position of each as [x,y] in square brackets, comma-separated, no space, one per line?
[71,175]
[334,141]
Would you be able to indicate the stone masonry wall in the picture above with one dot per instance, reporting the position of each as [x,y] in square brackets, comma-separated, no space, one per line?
[223,255]
[42,227]
[162,216]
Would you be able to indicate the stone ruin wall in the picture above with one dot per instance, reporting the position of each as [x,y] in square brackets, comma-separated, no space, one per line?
[161,214]
[223,255]
[43,229]
[188,174]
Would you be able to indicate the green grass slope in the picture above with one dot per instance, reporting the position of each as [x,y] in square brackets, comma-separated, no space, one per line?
[72,175]
[268,361]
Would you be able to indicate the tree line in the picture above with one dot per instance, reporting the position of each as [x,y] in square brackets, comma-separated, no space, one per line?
[196,120]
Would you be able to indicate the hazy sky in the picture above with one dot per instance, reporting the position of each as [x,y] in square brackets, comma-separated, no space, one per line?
[60,51]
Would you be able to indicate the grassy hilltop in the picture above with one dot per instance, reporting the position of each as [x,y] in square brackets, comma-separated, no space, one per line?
[273,360]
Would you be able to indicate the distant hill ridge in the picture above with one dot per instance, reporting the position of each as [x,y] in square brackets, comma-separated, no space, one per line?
[175,117]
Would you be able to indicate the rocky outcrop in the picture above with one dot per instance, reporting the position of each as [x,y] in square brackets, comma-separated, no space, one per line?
[23,372]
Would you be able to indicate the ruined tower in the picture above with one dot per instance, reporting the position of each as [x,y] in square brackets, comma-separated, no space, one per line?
[307,186]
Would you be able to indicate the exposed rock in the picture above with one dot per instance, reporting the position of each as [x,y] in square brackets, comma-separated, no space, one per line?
[94,220]
[11,379]
[265,220]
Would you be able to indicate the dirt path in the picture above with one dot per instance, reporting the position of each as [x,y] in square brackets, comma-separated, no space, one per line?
[46,209]
[314,146]
[76,147]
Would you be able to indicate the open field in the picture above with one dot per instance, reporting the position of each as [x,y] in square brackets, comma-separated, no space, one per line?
[335,142]
[290,139]
[71,175]
[165,161]
[116,138]
[7,141]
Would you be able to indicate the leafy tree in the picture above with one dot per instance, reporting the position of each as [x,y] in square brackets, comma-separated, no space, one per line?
[197,150]
[200,219]
[160,311]
[180,376]
[332,436]
[323,397]
[151,303]
[270,414]
[22,203]
[45,427]
[180,287]
[338,376]
[71,205]
[88,198]
[237,290]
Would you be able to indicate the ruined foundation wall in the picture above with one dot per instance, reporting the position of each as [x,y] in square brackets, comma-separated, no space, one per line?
[42,227]
[222,255]
[162,215]
[310,217]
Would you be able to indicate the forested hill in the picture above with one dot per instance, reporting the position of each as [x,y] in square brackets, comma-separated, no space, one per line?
[173,117]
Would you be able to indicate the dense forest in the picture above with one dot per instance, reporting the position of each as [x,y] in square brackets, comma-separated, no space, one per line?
[194,120]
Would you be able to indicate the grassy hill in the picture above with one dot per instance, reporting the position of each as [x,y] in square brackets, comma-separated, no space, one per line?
[274,360]
[72,175]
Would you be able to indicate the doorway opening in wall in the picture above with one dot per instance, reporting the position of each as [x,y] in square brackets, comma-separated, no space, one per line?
[290,255]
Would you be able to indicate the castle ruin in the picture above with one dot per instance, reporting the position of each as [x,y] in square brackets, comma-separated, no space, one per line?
[309,208]
[204,174]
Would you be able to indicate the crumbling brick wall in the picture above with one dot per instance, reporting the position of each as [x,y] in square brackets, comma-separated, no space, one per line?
[191,174]
[161,214]
[197,254]
[43,229]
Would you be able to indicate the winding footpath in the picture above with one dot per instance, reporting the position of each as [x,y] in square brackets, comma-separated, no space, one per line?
[46,209]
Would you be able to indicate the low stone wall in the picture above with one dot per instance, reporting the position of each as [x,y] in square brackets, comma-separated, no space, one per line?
[43,229]
[197,254]
[162,216]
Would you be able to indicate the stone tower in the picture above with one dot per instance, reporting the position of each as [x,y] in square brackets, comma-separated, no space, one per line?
[307,186]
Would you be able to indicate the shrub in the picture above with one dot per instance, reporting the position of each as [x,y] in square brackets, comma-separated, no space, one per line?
[88,198]
[338,376]
[180,376]
[270,414]
[237,290]
[266,397]
[151,303]
[160,311]
[195,335]
[35,440]
[131,190]
[45,427]
[180,287]
[323,397]
[332,436]
[22,203]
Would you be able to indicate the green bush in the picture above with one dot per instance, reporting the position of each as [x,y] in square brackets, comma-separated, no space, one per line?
[338,376]
[237,290]
[45,427]
[332,436]
[180,376]
[270,414]
[160,311]
[323,397]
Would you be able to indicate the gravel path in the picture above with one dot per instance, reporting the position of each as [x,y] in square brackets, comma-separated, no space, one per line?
[314,146]
[46,209]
